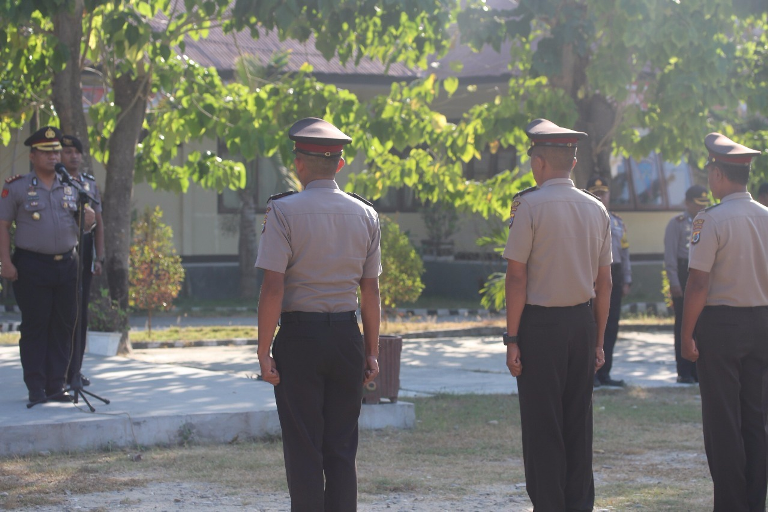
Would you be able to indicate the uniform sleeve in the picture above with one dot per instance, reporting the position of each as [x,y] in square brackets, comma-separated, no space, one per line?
[372,266]
[626,265]
[606,252]
[520,240]
[7,204]
[704,243]
[275,244]
[670,253]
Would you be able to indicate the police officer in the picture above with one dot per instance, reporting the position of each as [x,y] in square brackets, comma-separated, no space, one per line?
[725,328]
[621,274]
[762,194]
[43,268]
[93,240]
[317,248]
[676,242]
[558,260]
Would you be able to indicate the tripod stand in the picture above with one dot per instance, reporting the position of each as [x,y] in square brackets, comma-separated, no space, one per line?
[75,358]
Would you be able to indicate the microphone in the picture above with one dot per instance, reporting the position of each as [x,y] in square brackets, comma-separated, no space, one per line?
[65,176]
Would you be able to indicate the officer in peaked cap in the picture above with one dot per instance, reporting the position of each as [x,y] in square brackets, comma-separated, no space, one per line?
[92,251]
[621,274]
[676,242]
[317,248]
[558,262]
[43,267]
[725,327]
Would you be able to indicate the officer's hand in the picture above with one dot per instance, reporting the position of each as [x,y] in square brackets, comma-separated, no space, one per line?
[599,358]
[625,290]
[8,271]
[676,291]
[690,352]
[269,371]
[89,217]
[371,369]
[97,268]
[514,363]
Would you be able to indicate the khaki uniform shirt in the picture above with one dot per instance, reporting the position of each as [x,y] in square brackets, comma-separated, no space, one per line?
[563,235]
[91,188]
[324,241]
[730,241]
[677,238]
[45,219]
[620,248]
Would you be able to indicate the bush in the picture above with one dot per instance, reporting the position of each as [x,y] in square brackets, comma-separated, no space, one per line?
[106,315]
[402,267]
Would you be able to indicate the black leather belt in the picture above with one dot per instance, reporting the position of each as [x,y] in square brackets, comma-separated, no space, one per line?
[298,317]
[45,257]
[536,306]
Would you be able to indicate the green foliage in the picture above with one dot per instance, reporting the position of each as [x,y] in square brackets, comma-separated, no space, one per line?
[402,268]
[156,273]
[106,315]
[440,220]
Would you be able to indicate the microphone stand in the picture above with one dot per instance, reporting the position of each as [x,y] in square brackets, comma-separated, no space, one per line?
[75,358]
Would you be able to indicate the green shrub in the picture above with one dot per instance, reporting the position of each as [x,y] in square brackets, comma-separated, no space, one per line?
[402,267]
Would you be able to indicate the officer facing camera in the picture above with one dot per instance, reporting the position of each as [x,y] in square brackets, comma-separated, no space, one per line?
[43,268]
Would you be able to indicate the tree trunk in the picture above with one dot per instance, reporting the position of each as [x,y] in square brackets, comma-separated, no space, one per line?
[130,94]
[67,88]
[247,242]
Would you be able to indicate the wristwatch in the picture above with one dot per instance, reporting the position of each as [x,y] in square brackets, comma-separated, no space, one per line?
[507,339]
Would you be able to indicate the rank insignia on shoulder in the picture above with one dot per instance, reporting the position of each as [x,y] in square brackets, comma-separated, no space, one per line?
[282,194]
[13,178]
[360,198]
[681,217]
[89,176]
[525,191]
[695,237]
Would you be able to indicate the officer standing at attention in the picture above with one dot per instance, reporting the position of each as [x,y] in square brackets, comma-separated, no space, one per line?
[621,274]
[43,268]
[317,247]
[558,260]
[677,239]
[93,240]
[725,328]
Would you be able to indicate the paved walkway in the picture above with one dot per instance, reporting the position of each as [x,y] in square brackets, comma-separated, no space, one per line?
[165,396]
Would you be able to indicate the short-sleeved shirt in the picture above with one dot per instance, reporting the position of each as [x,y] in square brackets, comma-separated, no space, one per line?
[730,241]
[324,241]
[45,219]
[677,238]
[92,189]
[620,248]
[563,235]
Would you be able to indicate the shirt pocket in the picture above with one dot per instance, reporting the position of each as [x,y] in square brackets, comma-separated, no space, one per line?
[34,205]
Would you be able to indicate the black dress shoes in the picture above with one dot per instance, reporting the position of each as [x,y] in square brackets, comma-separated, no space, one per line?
[37,395]
[615,383]
[687,379]
[59,396]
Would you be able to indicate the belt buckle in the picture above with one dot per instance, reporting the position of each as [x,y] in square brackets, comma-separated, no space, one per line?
[58,257]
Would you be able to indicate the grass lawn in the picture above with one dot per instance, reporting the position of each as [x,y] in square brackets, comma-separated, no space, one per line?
[648,455]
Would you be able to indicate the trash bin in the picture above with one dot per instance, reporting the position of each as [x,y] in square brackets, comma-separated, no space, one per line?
[387,383]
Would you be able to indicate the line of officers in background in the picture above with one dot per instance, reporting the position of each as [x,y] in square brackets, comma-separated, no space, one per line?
[45,258]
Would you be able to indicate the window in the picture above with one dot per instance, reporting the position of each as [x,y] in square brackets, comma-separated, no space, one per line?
[649,183]
[491,164]
[401,199]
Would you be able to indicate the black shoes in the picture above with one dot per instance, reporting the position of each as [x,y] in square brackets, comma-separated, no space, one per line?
[685,379]
[85,380]
[597,383]
[58,395]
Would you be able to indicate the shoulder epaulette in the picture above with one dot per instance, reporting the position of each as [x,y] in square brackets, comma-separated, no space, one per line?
[89,176]
[681,217]
[13,178]
[360,198]
[617,216]
[281,194]
[710,207]
[590,193]
[525,191]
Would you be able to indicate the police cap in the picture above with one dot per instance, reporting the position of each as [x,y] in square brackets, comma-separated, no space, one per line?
[698,195]
[546,133]
[69,141]
[722,149]
[316,137]
[46,138]
[597,184]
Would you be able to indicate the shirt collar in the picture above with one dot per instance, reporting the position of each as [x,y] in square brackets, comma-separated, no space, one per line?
[557,181]
[736,196]
[322,184]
